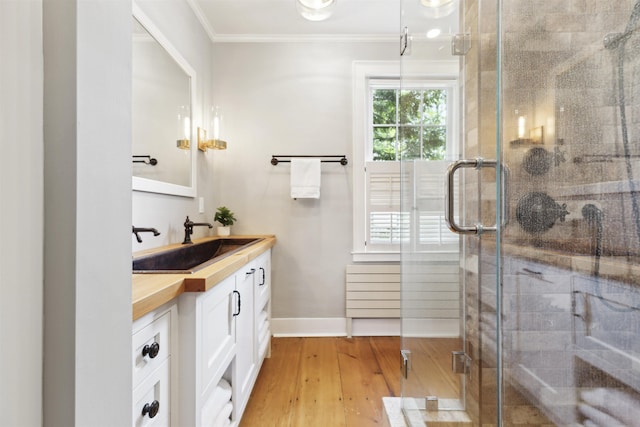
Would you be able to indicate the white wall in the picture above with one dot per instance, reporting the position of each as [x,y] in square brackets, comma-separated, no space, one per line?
[294,98]
[177,22]
[21,213]
[291,98]
[87,173]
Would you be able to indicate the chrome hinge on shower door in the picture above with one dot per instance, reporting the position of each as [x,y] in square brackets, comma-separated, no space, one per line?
[460,362]
[460,44]
[405,362]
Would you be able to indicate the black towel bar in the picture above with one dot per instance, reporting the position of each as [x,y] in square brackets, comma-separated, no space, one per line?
[342,159]
[147,160]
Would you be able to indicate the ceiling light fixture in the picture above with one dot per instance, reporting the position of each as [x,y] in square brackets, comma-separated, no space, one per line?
[435,3]
[432,34]
[315,10]
[438,8]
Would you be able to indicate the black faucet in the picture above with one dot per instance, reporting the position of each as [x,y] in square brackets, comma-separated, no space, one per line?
[188,229]
[137,230]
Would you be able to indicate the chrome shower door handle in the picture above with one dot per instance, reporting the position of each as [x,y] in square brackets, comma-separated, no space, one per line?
[448,194]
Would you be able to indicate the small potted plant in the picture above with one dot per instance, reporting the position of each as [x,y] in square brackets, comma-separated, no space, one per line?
[226,219]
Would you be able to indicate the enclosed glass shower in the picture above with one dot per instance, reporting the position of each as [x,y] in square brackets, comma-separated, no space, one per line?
[542,315]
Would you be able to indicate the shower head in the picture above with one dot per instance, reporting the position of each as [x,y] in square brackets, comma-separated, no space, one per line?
[614,40]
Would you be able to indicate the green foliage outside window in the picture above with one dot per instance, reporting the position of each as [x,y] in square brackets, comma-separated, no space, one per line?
[409,124]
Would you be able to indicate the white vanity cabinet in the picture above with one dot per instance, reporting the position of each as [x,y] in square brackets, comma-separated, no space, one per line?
[219,345]
[153,352]
[253,333]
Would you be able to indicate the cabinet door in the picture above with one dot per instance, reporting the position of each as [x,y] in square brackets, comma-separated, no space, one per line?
[262,280]
[262,289]
[246,352]
[218,330]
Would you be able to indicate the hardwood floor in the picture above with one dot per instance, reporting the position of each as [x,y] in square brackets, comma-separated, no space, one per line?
[335,382]
[325,382]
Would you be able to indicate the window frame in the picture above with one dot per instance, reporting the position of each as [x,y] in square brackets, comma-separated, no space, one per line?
[444,72]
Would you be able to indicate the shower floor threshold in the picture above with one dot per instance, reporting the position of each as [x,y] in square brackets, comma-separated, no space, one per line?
[414,416]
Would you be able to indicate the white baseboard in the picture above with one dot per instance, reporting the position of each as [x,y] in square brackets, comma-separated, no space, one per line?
[431,328]
[337,327]
[309,327]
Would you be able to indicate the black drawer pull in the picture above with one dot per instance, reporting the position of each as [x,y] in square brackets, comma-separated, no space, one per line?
[239,302]
[151,350]
[537,273]
[264,277]
[151,409]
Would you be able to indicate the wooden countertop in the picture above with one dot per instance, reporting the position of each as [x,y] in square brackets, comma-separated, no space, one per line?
[619,268]
[150,291]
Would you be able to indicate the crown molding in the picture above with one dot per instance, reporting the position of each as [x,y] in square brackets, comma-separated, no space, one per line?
[285,38]
[305,38]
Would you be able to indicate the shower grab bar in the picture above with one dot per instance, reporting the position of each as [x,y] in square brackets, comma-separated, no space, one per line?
[449,202]
[342,159]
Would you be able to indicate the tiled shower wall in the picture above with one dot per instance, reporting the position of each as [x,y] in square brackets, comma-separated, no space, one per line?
[558,76]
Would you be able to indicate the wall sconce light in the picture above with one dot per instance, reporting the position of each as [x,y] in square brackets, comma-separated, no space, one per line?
[535,137]
[215,143]
[184,128]
[315,10]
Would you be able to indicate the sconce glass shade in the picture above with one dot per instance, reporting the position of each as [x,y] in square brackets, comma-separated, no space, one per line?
[315,10]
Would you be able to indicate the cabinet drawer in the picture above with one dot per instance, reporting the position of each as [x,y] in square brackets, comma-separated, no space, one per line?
[151,401]
[218,329]
[151,346]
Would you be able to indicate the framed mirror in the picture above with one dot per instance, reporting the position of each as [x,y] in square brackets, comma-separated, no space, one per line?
[163,86]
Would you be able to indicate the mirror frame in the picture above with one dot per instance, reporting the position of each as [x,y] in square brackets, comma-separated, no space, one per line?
[161,187]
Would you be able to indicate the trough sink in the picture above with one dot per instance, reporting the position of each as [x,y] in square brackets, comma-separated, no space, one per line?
[191,258]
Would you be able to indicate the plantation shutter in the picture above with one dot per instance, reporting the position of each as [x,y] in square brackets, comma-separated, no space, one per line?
[420,222]
[432,231]
[387,225]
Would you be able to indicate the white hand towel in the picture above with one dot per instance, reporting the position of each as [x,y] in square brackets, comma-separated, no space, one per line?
[305,178]
[218,399]
[224,415]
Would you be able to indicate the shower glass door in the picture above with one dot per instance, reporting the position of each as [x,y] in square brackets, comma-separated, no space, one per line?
[430,133]
[549,305]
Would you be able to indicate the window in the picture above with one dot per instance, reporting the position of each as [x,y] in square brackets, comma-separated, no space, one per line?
[407,136]
[408,123]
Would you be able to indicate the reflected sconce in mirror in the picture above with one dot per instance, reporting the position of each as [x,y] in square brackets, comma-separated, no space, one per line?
[315,10]
[184,128]
[215,143]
